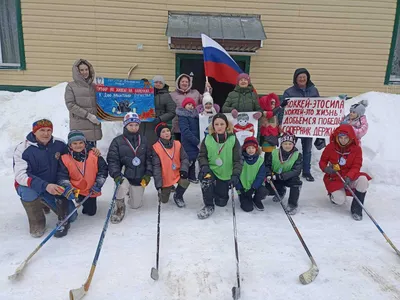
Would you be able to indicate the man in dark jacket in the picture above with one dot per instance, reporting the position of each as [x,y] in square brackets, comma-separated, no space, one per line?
[302,87]
[165,109]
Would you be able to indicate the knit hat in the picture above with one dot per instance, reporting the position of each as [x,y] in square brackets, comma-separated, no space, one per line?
[359,108]
[250,141]
[160,126]
[243,75]
[207,99]
[187,101]
[159,78]
[288,137]
[220,116]
[76,135]
[42,123]
[131,117]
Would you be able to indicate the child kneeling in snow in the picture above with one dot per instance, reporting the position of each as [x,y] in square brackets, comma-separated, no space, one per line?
[344,155]
[284,167]
[357,119]
[220,164]
[251,185]
[170,166]
[130,151]
[82,170]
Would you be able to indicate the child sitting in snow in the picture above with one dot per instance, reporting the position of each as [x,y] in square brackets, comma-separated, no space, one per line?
[357,119]
[80,170]
[129,150]
[207,108]
[188,120]
[251,185]
[170,166]
[284,166]
[220,164]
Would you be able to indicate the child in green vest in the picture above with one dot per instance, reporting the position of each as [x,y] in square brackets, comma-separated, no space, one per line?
[220,164]
[251,185]
[283,168]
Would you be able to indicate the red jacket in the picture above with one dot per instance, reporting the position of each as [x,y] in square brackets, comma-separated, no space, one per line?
[352,153]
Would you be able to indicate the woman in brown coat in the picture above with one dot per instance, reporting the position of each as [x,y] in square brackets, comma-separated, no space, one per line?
[80,99]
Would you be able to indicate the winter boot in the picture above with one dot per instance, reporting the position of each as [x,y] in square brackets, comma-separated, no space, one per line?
[206,212]
[118,212]
[291,210]
[36,218]
[62,212]
[178,196]
[276,199]
[356,209]
[308,177]
[260,195]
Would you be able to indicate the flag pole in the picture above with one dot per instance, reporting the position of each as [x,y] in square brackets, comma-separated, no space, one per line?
[207,84]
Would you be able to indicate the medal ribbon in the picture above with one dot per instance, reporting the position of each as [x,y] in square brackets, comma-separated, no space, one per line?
[281,158]
[173,150]
[84,164]
[134,150]
[223,145]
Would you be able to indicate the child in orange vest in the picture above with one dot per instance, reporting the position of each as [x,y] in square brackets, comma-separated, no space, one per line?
[81,170]
[170,166]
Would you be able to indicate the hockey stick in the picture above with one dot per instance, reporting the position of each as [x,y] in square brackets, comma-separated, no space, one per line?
[308,276]
[372,219]
[21,267]
[235,289]
[154,271]
[77,294]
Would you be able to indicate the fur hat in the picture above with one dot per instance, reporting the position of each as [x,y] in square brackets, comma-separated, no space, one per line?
[187,101]
[243,75]
[159,78]
[76,135]
[42,123]
[250,141]
[160,126]
[359,108]
[131,117]
[288,137]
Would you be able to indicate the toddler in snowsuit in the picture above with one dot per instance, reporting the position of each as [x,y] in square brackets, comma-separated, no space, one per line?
[220,164]
[170,166]
[79,170]
[130,151]
[357,119]
[251,185]
[188,120]
[284,166]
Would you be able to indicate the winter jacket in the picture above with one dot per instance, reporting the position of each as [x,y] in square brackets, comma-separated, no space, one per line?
[360,125]
[190,132]
[64,175]
[121,154]
[241,99]
[80,99]
[157,171]
[165,111]
[237,152]
[35,165]
[251,160]
[294,172]
[352,154]
[179,95]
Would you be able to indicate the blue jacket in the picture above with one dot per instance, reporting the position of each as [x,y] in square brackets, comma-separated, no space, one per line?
[189,126]
[251,160]
[35,165]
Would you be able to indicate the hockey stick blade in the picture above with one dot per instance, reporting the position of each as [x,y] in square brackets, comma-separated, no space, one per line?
[154,274]
[235,293]
[18,271]
[309,276]
[77,294]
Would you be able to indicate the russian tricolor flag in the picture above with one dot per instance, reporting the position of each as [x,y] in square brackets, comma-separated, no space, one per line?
[218,64]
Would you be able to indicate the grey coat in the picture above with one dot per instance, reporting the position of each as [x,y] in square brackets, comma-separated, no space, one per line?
[80,99]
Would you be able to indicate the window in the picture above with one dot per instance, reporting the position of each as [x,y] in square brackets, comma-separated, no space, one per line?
[12,54]
[393,68]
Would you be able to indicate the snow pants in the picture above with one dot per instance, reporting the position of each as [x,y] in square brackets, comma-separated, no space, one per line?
[215,191]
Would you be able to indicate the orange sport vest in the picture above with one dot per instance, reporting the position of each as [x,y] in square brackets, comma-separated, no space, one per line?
[82,182]
[169,176]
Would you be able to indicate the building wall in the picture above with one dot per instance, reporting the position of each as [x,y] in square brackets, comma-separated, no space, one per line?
[345,44]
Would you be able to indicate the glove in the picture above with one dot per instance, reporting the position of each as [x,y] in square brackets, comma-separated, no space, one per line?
[119,179]
[269,178]
[69,193]
[329,170]
[184,174]
[234,113]
[145,180]
[92,118]
[257,115]
[204,171]
[95,189]
[234,181]
[347,181]
[284,102]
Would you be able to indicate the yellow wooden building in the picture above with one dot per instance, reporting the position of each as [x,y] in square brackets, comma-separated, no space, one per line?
[349,46]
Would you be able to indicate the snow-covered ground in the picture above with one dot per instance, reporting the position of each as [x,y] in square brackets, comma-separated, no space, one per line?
[197,256]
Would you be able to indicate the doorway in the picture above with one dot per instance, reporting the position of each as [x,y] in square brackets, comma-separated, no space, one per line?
[193,65]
